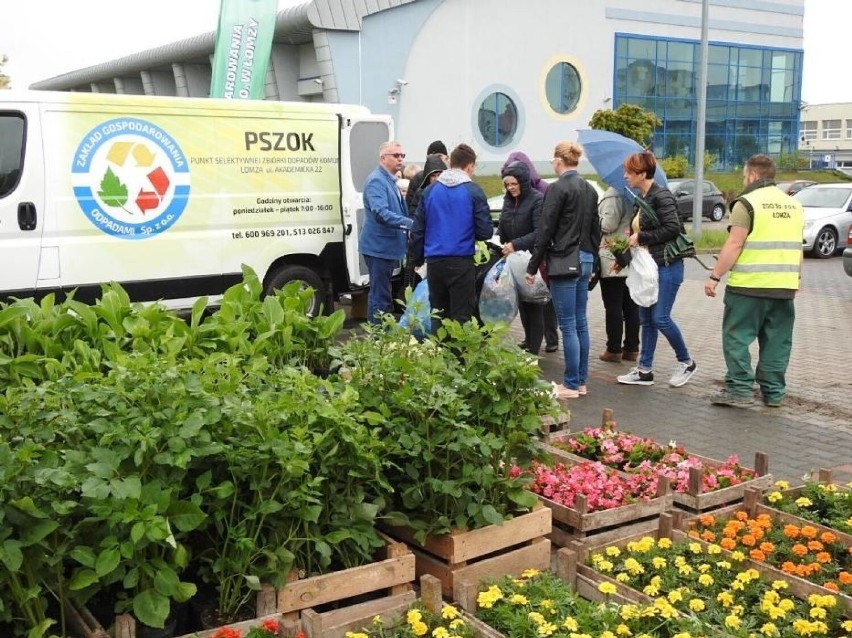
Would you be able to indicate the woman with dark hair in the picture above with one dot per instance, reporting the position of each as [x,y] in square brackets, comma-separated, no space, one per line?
[568,238]
[653,232]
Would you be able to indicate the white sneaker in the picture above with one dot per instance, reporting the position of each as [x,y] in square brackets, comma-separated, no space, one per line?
[682,373]
[637,377]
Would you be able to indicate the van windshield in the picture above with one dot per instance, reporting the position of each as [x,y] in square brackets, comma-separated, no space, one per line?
[816,197]
[11,151]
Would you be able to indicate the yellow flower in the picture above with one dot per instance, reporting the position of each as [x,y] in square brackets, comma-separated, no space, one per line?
[705,579]
[818,613]
[675,596]
[696,604]
[536,617]
[419,628]
[695,548]
[570,624]
[413,616]
[769,629]
[787,605]
[725,598]
[732,621]
[846,625]
[664,543]
[650,590]
[457,623]
[449,612]
[659,562]
[607,634]
[622,577]
[780,584]
[623,630]
[352,634]
[545,629]
[738,556]
[685,570]
[803,501]
[607,588]
[440,632]
[629,612]
[723,564]
[774,497]
[632,565]
[518,599]
[612,551]
[530,573]
[782,485]
[605,566]
[714,549]
[377,620]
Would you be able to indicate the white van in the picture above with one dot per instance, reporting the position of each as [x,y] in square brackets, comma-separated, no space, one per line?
[170,196]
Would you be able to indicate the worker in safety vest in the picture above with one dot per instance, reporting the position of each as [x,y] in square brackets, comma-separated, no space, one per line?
[763,254]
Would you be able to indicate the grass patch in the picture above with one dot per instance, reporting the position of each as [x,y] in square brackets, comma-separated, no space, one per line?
[711,238]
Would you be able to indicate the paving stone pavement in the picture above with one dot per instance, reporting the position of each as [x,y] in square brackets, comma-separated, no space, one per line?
[813,429]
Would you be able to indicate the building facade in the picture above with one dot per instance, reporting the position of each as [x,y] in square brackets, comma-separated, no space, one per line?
[504,77]
[826,135]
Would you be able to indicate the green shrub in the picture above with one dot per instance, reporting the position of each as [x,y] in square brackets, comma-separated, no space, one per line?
[675,167]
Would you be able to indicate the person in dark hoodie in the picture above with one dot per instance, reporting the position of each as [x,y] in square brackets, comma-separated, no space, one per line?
[519,221]
[452,216]
[431,169]
[435,148]
[551,331]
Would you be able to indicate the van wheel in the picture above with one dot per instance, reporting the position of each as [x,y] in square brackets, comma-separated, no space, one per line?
[306,277]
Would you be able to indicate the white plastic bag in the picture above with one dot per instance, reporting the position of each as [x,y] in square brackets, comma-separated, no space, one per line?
[498,300]
[643,278]
[417,311]
[536,292]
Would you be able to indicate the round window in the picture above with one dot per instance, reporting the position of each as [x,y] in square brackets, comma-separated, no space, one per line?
[562,87]
[497,119]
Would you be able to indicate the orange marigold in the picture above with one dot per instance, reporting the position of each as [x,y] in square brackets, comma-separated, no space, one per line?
[708,535]
[799,550]
[748,540]
[707,520]
[823,557]
[828,537]
[757,533]
[757,555]
[764,521]
[845,578]
[809,532]
[831,585]
[693,533]
[728,543]
[791,531]
[767,547]
[815,546]
[788,567]
[741,516]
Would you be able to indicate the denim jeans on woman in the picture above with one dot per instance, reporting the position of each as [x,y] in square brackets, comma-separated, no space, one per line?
[657,318]
[570,298]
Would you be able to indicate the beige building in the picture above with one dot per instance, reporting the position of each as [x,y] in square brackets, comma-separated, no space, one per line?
[825,136]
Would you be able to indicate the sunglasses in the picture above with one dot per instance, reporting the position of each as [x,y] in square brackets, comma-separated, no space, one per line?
[396,155]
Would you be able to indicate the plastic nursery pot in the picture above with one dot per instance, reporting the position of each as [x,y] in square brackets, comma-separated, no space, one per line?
[144,631]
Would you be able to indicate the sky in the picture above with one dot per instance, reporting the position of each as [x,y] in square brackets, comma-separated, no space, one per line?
[44,38]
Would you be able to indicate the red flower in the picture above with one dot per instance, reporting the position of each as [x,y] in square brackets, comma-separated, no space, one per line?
[270,625]
[227,632]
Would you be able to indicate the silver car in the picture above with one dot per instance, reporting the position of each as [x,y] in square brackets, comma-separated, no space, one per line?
[828,216]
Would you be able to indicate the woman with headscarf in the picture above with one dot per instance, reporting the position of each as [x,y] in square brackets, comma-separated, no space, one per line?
[519,222]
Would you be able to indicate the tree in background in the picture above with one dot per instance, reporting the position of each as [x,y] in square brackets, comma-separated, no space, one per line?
[5,80]
[628,120]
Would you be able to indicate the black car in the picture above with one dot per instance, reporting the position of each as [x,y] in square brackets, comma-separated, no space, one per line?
[684,190]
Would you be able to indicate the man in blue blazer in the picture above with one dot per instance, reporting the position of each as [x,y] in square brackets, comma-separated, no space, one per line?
[384,236]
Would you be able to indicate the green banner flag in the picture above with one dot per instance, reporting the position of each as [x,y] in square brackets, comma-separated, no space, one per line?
[243,45]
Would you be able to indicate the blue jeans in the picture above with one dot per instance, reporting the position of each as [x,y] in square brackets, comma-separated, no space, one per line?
[658,318]
[570,298]
[379,298]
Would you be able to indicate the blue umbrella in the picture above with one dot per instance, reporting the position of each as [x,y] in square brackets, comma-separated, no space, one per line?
[607,151]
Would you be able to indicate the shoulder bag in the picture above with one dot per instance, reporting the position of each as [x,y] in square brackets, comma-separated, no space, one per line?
[681,247]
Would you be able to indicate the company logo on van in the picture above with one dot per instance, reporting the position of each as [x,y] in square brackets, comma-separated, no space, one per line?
[130,178]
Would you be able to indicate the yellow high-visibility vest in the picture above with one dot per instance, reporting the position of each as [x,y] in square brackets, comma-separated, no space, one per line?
[772,254]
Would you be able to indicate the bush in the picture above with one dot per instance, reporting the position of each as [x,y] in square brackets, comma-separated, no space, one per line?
[675,167]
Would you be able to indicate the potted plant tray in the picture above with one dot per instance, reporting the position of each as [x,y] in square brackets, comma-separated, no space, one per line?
[753,507]
[511,547]
[693,499]
[578,523]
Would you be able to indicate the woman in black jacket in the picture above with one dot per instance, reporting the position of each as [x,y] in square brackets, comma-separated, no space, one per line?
[569,238]
[639,171]
[518,225]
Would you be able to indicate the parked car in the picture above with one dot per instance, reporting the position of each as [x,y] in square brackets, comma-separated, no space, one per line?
[791,188]
[495,204]
[713,205]
[828,215]
[847,254]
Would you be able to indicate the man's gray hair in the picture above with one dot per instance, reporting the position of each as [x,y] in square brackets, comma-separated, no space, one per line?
[386,145]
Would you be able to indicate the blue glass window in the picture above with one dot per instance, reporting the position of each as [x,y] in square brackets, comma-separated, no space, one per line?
[497,119]
[562,87]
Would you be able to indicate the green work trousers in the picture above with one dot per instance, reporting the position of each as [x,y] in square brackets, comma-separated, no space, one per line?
[770,321]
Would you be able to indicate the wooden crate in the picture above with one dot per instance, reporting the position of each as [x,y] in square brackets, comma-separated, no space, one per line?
[82,622]
[495,550]
[553,427]
[753,507]
[577,523]
[693,500]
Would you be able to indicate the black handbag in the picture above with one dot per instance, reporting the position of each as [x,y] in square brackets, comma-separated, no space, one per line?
[681,247]
[564,263]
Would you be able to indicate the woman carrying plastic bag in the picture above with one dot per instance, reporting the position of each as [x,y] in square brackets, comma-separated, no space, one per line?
[536,292]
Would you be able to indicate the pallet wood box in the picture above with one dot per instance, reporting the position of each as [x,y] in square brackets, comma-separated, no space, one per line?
[693,500]
[577,523]
[82,622]
[799,586]
[510,548]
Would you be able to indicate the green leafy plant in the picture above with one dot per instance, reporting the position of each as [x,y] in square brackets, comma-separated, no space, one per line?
[629,120]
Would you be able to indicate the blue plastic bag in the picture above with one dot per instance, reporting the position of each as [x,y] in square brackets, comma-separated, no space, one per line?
[417,310]
[498,300]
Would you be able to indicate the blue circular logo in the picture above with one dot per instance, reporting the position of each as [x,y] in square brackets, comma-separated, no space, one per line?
[130,178]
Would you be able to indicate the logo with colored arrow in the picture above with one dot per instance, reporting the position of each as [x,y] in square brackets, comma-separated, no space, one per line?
[131,178]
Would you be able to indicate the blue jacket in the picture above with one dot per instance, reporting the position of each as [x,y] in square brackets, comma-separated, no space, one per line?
[451,217]
[386,218]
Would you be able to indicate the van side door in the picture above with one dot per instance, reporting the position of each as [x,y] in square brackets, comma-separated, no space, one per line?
[360,138]
[22,214]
